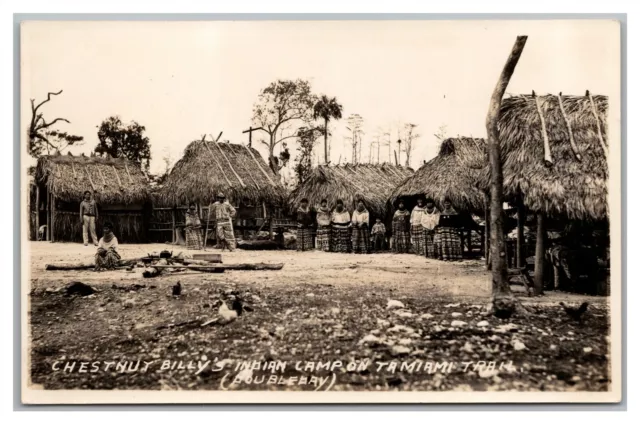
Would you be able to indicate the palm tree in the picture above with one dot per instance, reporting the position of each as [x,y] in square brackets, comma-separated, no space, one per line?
[327,109]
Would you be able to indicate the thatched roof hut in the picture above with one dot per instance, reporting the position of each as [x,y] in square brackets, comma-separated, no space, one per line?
[120,188]
[371,183]
[114,181]
[452,174]
[574,183]
[208,167]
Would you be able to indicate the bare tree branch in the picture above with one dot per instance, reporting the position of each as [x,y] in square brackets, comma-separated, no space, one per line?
[49,94]
[45,125]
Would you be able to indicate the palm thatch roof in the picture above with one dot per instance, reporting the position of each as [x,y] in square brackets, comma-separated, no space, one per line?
[208,168]
[574,183]
[452,174]
[371,183]
[115,181]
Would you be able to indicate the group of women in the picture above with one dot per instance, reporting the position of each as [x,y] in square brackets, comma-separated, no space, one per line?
[423,231]
[337,230]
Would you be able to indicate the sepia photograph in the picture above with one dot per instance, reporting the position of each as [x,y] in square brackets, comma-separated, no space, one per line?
[321,211]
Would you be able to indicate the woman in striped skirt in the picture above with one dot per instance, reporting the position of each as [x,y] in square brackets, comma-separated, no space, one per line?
[400,227]
[323,219]
[417,232]
[193,229]
[447,237]
[340,229]
[430,220]
[304,239]
[360,222]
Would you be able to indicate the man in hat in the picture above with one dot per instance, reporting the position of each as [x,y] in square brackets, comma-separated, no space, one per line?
[223,213]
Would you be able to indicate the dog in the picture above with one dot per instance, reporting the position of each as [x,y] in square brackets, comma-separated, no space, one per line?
[42,231]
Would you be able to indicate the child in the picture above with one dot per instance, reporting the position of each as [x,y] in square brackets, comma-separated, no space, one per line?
[377,233]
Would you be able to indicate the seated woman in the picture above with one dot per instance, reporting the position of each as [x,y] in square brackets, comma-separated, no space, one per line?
[107,256]
[192,229]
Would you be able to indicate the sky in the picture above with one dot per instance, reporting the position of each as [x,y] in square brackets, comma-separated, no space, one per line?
[185,79]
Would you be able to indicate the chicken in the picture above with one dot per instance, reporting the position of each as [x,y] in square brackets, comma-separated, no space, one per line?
[226,315]
[575,313]
[177,289]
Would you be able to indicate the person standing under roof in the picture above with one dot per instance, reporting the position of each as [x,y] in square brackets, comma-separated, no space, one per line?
[323,219]
[223,213]
[447,237]
[417,232]
[340,229]
[400,228]
[430,219]
[360,222]
[88,217]
[304,218]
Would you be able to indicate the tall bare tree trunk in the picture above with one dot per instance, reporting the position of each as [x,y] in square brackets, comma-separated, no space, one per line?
[503,301]
[273,162]
[487,231]
[538,273]
[520,259]
[326,152]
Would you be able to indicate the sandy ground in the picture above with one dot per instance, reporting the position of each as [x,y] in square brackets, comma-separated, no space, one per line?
[319,307]
[466,280]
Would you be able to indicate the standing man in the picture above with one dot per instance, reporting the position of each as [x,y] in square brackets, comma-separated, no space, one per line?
[88,216]
[223,213]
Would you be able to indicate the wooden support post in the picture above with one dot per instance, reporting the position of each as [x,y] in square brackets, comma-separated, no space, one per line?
[242,184]
[520,260]
[259,165]
[572,141]
[53,218]
[48,217]
[215,159]
[538,275]
[37,210]
[595,116]
[173,225]
[113,168]
[93,187]
[503,300]
[270,223]
[545,138]
[250,131]
[126,168]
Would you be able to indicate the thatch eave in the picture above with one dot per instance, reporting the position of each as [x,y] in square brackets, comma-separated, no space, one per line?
[452,174]
[367,182]
[567,187]
[113,181]
[208,168]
